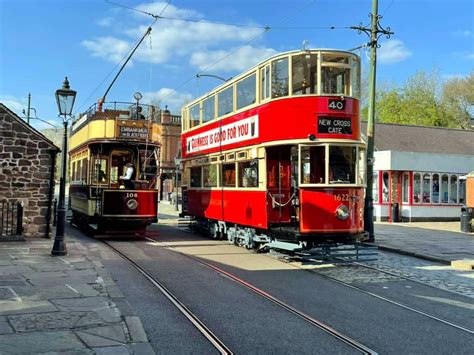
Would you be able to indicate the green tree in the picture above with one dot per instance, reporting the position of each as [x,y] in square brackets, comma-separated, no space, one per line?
[458,100]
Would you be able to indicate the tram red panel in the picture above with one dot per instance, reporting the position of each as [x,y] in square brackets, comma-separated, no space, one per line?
[287,118]
[234,206]
[129,203]
[318,210]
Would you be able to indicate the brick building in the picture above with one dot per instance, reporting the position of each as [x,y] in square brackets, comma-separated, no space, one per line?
[27,166]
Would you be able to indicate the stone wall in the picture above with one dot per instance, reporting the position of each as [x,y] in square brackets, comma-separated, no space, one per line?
[25,170]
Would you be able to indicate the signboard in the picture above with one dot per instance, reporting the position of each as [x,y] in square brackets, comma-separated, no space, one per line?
[334,125]
[133,132]
[235,132]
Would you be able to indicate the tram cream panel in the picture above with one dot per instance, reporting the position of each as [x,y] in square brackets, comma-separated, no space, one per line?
[93,130]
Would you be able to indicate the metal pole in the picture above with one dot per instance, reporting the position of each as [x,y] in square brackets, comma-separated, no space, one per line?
[28,111]
[59,247]
[176,186]
[369,200]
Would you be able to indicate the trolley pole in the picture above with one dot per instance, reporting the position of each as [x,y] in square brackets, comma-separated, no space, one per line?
[374,32]
[29,109]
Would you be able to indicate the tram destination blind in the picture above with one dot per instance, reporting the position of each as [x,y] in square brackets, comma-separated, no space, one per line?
[133,132]
[334,125]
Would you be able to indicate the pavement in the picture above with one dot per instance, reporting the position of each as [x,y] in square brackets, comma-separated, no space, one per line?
[63,305]
[72,305]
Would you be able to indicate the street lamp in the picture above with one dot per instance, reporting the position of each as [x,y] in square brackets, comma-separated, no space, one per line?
[65,98]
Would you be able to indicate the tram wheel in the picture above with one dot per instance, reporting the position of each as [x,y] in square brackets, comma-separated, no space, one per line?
[214,232]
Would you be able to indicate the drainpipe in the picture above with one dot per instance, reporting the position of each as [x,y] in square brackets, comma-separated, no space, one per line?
[53,153]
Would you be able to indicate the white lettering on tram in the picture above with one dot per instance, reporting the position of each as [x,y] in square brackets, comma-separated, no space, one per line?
[235,132]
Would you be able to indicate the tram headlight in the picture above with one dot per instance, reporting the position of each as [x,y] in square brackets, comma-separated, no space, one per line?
[342,212]
[132,204]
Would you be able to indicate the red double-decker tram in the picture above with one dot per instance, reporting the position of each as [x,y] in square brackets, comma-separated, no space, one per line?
[276,154]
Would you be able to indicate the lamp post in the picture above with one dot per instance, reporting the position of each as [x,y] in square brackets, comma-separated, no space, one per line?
[65,98]
[177,162]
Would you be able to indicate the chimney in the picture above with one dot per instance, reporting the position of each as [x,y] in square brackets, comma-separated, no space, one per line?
[166,116]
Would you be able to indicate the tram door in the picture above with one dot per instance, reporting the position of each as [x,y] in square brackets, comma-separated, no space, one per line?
[279,184]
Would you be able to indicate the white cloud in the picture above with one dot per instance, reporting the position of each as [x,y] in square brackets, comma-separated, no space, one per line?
[170,39]
[393,51]
[14,104]
[105,22]
[470,56]
[242,59]
[168,97]
[463,33]
[109,48]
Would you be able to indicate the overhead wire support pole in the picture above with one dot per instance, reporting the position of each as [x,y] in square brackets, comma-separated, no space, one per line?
[102,100]
[374,32]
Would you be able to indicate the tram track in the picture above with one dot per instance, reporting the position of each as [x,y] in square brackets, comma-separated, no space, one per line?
[195,321]
[386,299]
[314,322]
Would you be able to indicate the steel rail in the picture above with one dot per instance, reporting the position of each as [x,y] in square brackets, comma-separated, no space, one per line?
[203,329]
[344,338]
[396,303]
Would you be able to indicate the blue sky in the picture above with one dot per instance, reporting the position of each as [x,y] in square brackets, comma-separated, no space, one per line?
[43,41]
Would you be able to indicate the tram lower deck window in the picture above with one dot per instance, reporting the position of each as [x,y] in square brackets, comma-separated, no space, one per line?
[196,176]
[228,175]
[342,163]
[248,173]
[313,160]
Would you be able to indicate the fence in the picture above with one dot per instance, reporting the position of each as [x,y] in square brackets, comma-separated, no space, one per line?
[11,220]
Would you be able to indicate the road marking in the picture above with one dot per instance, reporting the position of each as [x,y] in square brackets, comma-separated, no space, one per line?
[448,301]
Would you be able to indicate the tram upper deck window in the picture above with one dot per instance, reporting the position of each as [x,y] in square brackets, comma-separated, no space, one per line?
[280,77]
[208,109]
[335,80]
[313,164]
[194,118]
[225,101]
[304,73]
[265,82]
[335,58]
[246,91]
[342,165]
[355,78]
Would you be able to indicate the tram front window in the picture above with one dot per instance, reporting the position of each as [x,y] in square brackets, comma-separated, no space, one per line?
[342,165]
[313,161]
[120,158]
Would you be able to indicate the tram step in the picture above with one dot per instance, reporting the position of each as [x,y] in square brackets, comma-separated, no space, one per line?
[94,226]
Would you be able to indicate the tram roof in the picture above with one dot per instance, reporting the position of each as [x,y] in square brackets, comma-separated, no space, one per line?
[242,74]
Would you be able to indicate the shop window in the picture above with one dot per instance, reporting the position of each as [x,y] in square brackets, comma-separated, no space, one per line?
[385,187]
[280,78]
[246,91]
[453,196]
[228,175]
[444,188]
[342,161]
[208,109]
[313,162]
[194,115]
[426,188]
[196,176]
[304,73]
[435,188]
[462,191]
[209,175]
[405,187]
[248,173]
[416,188]
[375,186]
[225,101]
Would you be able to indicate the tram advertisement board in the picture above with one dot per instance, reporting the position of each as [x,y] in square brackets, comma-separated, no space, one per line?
[126,131]
[334,125]
[234,132]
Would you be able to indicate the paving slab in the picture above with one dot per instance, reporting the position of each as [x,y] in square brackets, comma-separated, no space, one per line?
[39,342]
[110,335]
